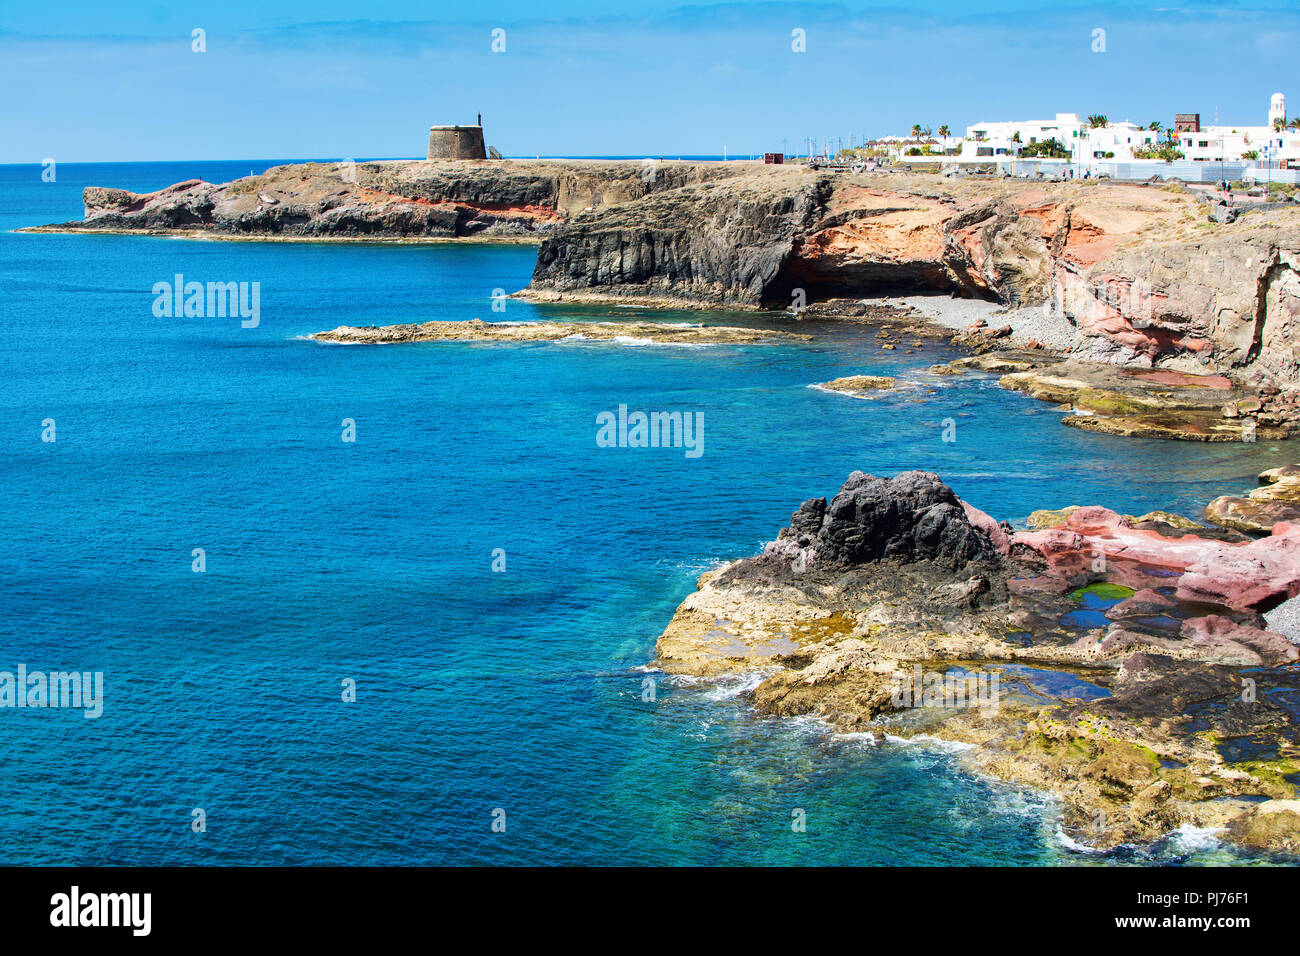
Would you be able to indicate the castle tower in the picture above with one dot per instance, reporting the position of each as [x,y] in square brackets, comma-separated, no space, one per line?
[1276,109]
[456,142]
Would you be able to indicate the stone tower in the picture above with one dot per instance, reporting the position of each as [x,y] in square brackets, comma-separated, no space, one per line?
[456,142]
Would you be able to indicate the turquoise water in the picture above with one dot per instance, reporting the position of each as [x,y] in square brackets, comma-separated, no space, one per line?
[372,561]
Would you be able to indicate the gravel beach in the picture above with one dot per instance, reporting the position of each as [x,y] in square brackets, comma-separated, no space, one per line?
[1027,324]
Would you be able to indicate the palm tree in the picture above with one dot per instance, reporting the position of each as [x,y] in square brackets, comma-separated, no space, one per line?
[1155,126]
[1098,121]
[916,131]
[943,130]
[1279,125]
[1295,123]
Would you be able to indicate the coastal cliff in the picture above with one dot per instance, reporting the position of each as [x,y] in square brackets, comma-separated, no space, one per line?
[392,199]
[1137,274]
[1132,274]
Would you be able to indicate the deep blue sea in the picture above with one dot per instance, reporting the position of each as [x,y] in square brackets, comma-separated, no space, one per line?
[371,561]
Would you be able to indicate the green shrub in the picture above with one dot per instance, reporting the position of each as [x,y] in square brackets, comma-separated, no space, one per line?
[1166,151]
[1046,149]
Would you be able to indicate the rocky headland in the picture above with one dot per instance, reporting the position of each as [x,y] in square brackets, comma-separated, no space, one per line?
[1277,499]
[1101,274]
[1135,676]
[384,200]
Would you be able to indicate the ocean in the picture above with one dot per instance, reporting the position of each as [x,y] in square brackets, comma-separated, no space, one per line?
[499,715]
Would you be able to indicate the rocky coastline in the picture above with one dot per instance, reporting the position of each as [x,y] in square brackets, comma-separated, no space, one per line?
[1144,668]
[1134,675]
[1088,277]
[389,200]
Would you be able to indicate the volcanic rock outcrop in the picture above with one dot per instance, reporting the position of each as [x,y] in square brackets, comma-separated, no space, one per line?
[904,549]
[1117,649]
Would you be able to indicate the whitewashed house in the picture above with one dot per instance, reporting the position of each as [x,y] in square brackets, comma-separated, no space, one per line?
[1005,140]
[1230,144]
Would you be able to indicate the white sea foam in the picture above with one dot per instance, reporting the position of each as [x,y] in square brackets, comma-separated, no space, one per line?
[666,325]
[1074,846]
[701,732]
[686,680]
[931,743]
[1012,800]
[865,737]
[632,341]
[733,686]
[1190,839]
[809,724]
[871,397]
[696,567]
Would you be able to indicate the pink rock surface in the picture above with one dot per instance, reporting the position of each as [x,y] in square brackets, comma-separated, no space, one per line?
[1213,638]
[1247,575]
[1241,575]
[1222,639]
[1001,540]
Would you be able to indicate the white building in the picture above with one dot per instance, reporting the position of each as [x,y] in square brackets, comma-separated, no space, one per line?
[1231,144]
[1105,149]
[1115,141]
[1007,140]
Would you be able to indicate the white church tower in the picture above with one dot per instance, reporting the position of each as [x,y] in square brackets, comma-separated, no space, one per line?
[1276,109]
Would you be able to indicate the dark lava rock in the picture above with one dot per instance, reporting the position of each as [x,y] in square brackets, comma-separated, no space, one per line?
[1207,696]
[912,517]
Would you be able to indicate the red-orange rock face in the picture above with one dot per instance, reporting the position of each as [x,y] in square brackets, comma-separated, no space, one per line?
[1138,274]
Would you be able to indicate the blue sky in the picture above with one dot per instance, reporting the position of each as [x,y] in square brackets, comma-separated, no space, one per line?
[88,81]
